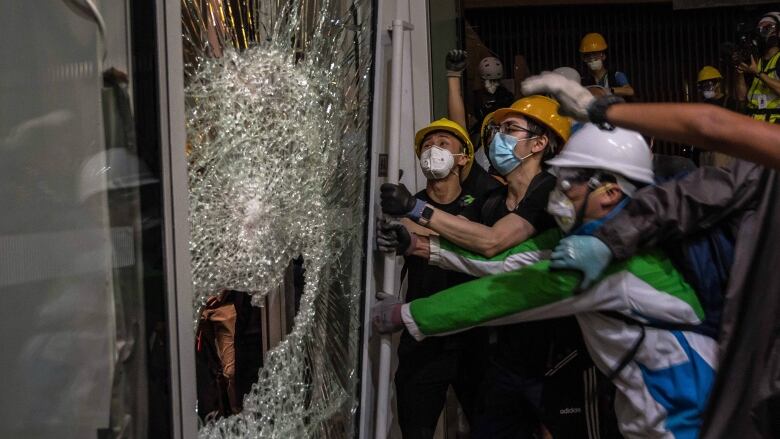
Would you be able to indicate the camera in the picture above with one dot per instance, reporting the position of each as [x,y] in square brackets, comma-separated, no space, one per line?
[745,46]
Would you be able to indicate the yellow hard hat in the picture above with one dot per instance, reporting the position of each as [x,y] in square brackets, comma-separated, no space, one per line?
[708,72]
[593,42]
[453,128]
[485,122]
[541,109]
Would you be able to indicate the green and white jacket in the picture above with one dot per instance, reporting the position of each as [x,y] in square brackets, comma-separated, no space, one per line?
[449,256]
[663,390]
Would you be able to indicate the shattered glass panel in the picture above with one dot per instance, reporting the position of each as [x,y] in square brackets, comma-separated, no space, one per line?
[277,99]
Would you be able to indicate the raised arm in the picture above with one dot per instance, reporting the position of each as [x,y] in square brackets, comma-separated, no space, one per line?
[456,64]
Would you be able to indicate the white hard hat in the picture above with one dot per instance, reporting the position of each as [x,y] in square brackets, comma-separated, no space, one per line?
[771,16]
[491,68]
[569,73]
[110,169]
[621,152]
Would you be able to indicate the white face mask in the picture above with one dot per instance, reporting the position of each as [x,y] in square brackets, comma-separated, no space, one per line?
[437,163]
[595,65]
[491,85]
[562,210]
[708,94]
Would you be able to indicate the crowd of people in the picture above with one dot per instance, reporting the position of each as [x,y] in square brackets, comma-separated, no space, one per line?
[576,286]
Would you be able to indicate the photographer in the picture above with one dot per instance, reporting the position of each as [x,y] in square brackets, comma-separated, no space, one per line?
[763,96]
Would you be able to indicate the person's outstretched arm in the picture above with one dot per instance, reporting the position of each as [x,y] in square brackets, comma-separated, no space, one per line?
[446,255]
[509,231]
[702,125]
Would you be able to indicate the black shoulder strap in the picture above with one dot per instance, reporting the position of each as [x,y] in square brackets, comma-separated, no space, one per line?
[634,349]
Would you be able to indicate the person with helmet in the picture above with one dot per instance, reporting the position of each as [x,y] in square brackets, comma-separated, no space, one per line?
[662,376]
[478,181]
[593,50]
[487,131]
[763,96]
[491,95]
[427,368]
[741,198]
[710,86]
[709,83]
[530,131]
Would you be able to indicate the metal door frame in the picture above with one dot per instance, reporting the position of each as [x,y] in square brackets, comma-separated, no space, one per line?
[176,228]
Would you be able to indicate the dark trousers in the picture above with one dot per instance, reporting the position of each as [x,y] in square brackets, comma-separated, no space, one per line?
[426,369]
[509,404]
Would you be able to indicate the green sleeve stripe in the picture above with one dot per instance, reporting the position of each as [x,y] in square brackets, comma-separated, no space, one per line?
[492,297]
[543,241]
[657,270]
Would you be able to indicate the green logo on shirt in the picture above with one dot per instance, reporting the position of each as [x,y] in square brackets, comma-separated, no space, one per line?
[466,200]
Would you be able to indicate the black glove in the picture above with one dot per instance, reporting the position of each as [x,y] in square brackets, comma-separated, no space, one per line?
[455,61]
[396,199]
[392,237]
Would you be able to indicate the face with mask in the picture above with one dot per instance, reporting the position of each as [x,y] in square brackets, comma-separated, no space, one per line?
[594,60]
[709,89]
[768,29]
[581,197]
[512,144]
[441,152]
[491,85]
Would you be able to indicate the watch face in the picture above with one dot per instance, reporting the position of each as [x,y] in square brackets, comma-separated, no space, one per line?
[427,212]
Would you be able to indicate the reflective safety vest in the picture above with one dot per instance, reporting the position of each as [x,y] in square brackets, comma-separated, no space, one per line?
[763,103]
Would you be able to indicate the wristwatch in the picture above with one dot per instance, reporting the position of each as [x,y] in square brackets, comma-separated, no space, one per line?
[426,215]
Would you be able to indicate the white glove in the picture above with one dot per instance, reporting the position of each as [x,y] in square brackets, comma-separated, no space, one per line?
[573,98]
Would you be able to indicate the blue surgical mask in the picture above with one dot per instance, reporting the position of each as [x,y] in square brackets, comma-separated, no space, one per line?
[590,227]
[502,153]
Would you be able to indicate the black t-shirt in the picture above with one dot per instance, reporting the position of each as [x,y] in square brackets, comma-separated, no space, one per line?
[533,207]
[479,182]
[423,279]
[528,348]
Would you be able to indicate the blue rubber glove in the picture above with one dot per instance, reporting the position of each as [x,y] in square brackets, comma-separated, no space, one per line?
[584,253]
